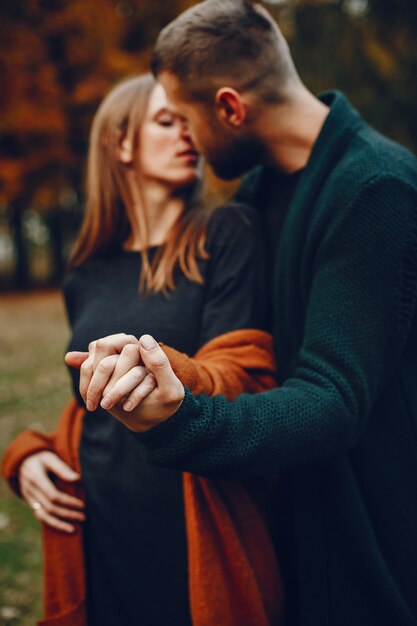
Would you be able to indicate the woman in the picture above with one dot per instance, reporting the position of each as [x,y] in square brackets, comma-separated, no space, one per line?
[149,259]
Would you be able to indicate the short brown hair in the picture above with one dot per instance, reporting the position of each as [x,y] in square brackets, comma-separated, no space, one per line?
[236,40]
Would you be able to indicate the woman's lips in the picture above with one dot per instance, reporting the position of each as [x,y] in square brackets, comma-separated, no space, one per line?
[190,151]
[191,155]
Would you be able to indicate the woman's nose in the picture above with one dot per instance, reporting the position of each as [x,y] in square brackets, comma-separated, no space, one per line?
[185,132]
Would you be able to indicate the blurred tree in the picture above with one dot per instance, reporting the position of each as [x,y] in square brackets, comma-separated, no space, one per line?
[57,59]
[365,48]
[389,37]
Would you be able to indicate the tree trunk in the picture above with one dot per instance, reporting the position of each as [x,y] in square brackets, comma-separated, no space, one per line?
[21,276]
[53,221]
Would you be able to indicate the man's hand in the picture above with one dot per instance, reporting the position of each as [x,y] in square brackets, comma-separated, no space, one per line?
[140,397]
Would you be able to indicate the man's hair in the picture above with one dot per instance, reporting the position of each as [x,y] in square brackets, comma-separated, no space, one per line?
[236,41]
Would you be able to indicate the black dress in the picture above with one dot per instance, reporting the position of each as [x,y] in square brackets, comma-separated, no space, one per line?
[134,535]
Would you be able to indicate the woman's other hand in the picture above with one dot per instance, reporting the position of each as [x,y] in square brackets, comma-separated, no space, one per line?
[50,505]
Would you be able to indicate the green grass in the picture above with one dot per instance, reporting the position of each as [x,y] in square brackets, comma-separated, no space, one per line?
[34,386]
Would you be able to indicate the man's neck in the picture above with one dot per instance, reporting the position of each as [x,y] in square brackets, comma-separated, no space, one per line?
[289,131]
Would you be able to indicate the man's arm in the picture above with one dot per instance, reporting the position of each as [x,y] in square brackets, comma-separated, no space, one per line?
[362,300]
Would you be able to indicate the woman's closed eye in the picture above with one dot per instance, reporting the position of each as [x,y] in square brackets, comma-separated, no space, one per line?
[165,118]
[166,122]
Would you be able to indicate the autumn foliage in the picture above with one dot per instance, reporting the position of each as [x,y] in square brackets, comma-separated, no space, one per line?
[59,57]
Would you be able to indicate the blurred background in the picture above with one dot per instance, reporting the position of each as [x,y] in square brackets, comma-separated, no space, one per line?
[57,60]
[59,57]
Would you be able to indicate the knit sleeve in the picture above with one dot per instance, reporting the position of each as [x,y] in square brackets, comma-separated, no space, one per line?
[362,299]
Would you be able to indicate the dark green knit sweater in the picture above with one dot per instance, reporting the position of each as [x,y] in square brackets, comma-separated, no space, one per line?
[343,423]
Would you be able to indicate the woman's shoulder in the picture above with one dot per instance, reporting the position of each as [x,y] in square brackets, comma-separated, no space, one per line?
[233,221]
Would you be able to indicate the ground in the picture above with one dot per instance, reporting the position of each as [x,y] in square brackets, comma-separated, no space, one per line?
[34,386]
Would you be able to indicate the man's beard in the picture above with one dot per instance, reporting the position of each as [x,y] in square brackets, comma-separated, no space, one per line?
[234,159]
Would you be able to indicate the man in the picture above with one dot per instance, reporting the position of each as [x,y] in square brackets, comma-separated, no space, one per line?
[340,205]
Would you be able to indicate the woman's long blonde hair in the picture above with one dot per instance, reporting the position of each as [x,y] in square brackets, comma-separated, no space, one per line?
[106,225]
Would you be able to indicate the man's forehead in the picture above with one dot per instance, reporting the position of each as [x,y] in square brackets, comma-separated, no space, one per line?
[175,105]
[169,79]
[173,87]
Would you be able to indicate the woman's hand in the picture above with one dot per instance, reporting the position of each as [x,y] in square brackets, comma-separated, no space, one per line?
[145,405]
[50,505]
[140,396]
[106,361]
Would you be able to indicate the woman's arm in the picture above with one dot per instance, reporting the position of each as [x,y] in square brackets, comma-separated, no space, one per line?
[238,361]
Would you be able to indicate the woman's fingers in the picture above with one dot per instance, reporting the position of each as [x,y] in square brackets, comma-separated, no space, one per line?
[55,464]
[34,474]
[153,401]
[128,359]
[41,513]
[98,350]
[86,373]
[54,522]
[110,370]
[76,359]
[49,504]
[35,495]
[124,386]
[140,393]
[113,344]
[98,381]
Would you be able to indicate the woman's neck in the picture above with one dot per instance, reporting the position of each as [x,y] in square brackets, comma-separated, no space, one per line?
[160,207]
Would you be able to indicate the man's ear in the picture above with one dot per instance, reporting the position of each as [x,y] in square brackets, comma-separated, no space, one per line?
[230,106]
[124,152]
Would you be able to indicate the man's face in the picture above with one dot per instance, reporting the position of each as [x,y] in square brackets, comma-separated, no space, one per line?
[230,153]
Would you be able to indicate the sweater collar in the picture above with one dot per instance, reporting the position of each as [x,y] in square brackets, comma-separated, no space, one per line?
[343,119]
[340,124]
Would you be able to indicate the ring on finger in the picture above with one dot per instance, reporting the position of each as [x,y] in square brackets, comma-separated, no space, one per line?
[36,506]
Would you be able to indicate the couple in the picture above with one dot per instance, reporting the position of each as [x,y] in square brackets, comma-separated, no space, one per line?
[338,205]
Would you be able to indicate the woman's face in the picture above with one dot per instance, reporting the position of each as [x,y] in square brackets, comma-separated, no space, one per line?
[165,151]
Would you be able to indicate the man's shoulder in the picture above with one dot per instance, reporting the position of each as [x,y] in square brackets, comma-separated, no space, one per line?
[349,153]
[372,154]
[370,160]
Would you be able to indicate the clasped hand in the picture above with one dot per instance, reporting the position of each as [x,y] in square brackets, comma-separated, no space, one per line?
[130,378]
